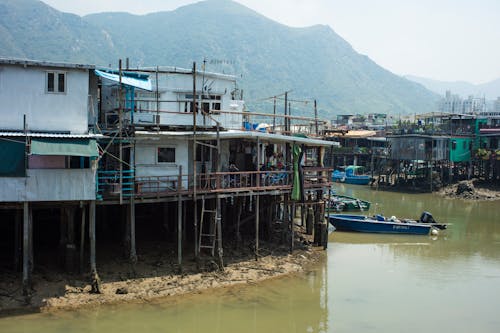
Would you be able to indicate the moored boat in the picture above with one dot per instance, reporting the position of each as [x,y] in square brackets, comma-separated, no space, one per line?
[381,224]
[339,203]
[352,175]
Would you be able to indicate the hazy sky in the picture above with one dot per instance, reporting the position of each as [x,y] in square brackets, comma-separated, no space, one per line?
[447,40]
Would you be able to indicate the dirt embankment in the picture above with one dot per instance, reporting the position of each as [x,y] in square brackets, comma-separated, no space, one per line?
[473,189]
[153,277]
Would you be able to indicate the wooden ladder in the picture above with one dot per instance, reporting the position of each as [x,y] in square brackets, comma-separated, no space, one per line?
[207,240]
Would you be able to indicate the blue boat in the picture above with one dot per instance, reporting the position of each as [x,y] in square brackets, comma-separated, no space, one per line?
[380,224]
[352,175]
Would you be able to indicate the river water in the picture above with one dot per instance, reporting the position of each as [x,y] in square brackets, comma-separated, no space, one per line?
[367,283]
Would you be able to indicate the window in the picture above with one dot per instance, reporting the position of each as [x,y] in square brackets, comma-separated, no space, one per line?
[166,155]
[206,152]
[208,103]
[56,82]
[205,107]
[215,108]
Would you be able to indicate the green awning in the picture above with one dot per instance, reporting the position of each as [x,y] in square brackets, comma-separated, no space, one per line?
[66,147]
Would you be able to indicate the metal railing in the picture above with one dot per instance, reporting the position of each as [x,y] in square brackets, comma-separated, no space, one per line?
[217,182]
[109,185]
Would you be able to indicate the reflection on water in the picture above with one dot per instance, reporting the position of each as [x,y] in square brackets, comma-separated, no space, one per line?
[368,283]
[393,283]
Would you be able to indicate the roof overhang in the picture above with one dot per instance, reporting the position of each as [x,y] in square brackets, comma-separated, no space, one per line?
[51,135]
[36,63]
[244,135]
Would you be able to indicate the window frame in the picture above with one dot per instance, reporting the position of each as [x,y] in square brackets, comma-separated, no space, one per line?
[56,82]
[158,155]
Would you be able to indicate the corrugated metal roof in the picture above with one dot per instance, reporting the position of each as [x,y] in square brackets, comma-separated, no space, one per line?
[51,135]
[36,63]
[234,134]
[354,134]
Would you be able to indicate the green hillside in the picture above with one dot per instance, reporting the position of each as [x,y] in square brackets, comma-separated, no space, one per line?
[313,62]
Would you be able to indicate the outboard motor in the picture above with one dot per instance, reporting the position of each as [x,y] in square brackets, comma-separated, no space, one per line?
[426,217]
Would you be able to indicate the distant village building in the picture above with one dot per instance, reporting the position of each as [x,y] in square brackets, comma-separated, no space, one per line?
[452,103]
[496,105]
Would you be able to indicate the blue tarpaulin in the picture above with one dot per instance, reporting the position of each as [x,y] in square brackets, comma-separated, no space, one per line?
[137,81]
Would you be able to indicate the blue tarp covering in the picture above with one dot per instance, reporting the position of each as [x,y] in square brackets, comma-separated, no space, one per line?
[138,81]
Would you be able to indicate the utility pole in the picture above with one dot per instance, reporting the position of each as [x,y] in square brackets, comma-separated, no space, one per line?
[286,119]
[274,113]
[195,213]
[316,117]
[120,128]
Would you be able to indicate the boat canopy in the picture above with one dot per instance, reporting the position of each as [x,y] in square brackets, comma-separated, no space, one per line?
[352,170]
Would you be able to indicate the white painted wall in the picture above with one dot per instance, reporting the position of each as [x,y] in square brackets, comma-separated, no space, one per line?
[173,89]
[146,151]
[23,91]
[49,185]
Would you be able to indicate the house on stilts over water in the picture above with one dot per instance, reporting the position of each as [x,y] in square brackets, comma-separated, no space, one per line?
[132,157]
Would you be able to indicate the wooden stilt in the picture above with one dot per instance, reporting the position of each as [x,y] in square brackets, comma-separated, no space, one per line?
[18,248]
[83,209]
[63,236]
[239,208]
[184,217]
[179,232]
[165,217]
[27,230]
[30,242]
[268,216]
[70,240]
[286,216]
[133,250]
[179,221]
[125,212]
[218,221]
[292,232]
[302,215]
[310,221]
[26,275]
[195,222]
[95,281]
[257,220]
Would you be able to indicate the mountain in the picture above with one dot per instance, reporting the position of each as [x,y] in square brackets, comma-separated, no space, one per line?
[490,90]
[312,62]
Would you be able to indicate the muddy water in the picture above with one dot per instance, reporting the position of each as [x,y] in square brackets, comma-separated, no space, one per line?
[367,283]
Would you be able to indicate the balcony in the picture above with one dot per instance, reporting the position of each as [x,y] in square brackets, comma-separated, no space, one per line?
[210,183]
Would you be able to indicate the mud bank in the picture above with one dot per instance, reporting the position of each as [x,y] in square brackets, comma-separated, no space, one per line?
[152,279]
[474,189]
